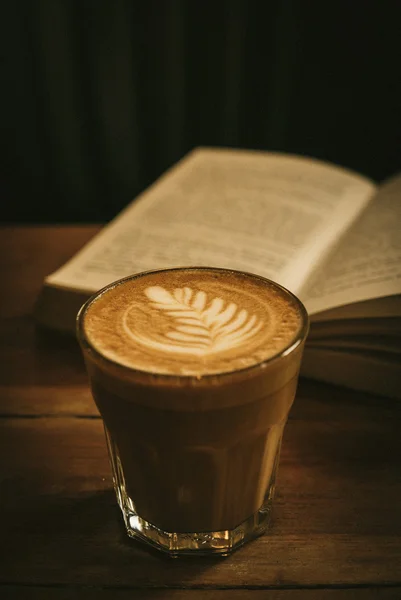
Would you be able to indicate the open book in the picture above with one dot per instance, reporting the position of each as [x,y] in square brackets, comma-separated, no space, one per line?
[329,235]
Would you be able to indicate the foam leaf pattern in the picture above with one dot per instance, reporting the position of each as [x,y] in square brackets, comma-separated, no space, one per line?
[199,325]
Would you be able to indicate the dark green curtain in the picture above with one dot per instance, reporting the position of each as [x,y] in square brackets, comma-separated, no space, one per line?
[102,96]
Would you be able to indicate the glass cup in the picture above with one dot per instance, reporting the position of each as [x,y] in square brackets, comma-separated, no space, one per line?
[195,459]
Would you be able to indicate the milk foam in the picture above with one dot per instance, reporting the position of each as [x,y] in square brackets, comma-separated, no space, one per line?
[193,321]
[199,325]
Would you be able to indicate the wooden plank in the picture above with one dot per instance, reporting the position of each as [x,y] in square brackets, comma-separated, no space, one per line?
[34,357]
[94,593]
[28,254]
[55,382]
[46,400]
[336,517]
[30,356]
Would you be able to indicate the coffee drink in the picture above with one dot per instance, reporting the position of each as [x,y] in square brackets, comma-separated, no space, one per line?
[194,371]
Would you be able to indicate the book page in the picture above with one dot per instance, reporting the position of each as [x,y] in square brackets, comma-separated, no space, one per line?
[367,261]
[272,214]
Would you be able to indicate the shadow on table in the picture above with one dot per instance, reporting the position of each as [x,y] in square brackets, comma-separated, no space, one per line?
[59,354]
[82,539]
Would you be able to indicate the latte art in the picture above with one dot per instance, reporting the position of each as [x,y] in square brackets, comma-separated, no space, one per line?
[199,326]
[193,321]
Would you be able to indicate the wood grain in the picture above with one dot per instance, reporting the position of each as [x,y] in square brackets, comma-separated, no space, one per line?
[336,530]
[96,593]
[28,254]
[328,525]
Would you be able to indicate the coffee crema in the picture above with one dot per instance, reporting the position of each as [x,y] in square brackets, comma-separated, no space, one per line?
[192,321]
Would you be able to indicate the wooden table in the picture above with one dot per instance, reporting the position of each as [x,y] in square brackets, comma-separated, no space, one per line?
[336,531]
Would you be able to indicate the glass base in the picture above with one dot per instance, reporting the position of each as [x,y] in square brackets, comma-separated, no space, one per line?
[220,543]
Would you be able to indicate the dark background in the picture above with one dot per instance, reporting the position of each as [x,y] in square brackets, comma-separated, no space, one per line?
[102,96]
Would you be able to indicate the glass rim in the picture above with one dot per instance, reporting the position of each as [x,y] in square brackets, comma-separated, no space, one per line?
[299,337]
